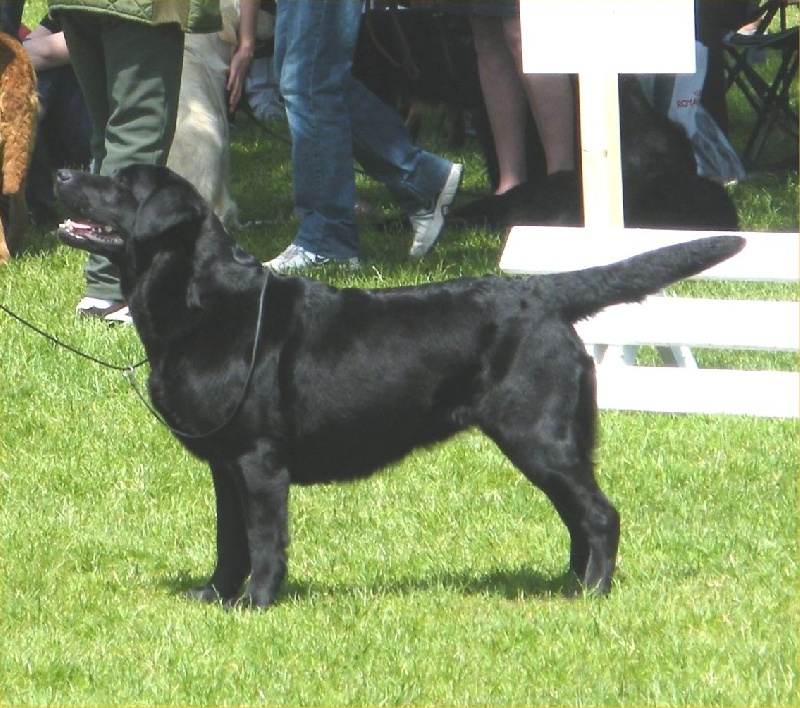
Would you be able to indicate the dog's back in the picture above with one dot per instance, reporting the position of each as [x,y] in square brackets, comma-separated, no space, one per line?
[18,109]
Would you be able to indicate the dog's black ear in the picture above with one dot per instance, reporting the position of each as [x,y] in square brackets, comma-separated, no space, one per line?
[171,206]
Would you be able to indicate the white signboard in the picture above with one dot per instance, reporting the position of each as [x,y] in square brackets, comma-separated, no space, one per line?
[608,36]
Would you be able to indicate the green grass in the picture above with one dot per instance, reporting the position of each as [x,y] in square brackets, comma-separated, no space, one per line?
[436,584]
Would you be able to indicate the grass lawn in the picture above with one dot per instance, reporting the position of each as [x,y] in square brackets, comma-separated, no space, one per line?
[437,584]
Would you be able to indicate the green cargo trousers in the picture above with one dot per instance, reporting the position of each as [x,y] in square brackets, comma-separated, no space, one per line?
[130,76]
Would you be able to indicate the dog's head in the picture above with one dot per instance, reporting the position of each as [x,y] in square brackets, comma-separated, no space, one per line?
[137,207]
[159,231]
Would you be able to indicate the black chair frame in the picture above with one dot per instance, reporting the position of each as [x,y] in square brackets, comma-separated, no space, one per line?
[770,97]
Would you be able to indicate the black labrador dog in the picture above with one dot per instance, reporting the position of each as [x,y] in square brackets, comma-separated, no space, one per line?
[285,380]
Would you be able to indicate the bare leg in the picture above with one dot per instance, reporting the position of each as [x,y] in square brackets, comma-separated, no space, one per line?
[552,104]
[506,101]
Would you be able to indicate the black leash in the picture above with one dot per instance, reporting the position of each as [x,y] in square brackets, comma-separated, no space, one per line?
[129,371]
[242,396]
[69,348]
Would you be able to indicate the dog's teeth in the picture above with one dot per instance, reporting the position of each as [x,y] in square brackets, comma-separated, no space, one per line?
[77,225]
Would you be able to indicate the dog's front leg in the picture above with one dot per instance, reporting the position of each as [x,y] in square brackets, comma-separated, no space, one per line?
[265,498]
[233,555]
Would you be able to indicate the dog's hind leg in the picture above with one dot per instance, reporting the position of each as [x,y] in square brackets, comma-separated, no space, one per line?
[233,554]
[569,483]
[591,520]
[547,431]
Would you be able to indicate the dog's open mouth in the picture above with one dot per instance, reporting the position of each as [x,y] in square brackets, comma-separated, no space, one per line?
[84,233]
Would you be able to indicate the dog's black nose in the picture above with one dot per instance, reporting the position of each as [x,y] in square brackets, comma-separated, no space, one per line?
[64,175]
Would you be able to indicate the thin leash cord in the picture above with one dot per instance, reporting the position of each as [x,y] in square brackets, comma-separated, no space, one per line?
[69,348]
[129,371]
[242,396]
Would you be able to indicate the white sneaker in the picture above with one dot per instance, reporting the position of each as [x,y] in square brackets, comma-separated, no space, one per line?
[428,224]
[298,258]
[121,316]
[113,311]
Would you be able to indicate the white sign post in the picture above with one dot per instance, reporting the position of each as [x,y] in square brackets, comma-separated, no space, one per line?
[599,39]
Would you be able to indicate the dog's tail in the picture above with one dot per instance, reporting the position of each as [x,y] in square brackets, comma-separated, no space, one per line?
[583,293]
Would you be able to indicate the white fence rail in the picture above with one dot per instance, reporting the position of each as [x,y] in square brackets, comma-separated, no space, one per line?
[676,324]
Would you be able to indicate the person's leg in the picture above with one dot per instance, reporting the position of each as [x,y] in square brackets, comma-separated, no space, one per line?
[261,90]
[505,98]
[314,44]
[83,34]
[144,63]
[62,139]
[129,73]
[11,16]
[383,147]
[72,121]
[332,116]
[39,183]
[552,103]
[423,184]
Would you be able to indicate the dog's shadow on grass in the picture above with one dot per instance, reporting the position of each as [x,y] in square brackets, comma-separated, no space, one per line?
[509,584]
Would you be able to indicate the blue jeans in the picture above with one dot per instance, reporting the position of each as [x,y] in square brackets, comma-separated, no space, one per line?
[333,119]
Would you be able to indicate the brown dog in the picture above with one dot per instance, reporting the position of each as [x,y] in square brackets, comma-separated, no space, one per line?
[19,107]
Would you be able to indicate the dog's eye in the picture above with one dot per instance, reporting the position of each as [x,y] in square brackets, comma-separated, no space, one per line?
[122,178]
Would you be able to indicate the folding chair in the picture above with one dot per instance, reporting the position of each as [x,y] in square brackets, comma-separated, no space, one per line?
[768,96]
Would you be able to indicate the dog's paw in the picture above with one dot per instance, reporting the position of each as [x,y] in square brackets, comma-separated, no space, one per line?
[572,585]
[248,601]
[208,594]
